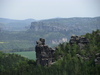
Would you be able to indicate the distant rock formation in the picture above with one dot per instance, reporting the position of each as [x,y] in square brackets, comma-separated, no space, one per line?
[44,54]
[73,25]
[40,26]
[57,41]
[80,41]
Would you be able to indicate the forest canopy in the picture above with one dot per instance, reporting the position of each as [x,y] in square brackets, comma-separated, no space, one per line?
[69,64]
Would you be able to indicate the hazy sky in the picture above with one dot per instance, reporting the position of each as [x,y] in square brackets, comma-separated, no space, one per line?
[45,9]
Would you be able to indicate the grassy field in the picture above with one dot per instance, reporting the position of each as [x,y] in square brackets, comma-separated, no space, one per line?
[29,54]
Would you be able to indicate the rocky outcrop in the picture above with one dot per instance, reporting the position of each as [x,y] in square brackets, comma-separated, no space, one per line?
[83,57]
[80,41]
[97,58]
[44,54]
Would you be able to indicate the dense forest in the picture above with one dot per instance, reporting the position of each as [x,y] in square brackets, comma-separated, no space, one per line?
[68,64]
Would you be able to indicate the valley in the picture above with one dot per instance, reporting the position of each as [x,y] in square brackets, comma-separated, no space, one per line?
[55,31]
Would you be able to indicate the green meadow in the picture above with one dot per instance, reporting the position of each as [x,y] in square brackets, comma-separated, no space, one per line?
[28,54]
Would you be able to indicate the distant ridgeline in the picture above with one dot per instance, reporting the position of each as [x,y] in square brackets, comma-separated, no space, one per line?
[59,30]
[74,25]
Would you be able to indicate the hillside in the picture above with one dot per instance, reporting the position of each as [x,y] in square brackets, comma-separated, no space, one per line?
[59,30]
[55,31]
[75,25]
[74,61]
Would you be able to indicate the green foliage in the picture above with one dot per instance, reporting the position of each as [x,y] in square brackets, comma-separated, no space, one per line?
[67,61]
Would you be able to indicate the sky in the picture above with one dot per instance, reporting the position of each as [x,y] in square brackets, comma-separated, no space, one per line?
[46,9]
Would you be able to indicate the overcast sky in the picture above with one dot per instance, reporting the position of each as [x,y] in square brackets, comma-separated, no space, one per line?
[45,9]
